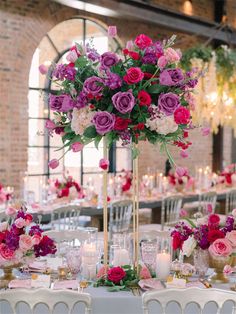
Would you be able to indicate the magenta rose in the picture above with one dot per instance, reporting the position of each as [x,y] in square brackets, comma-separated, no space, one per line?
[116,274]
[133,76]
[143,41]
[108,59]
[53,164]
[182,115]
[171,77]
[123,101]
[104,122]
[93,85]
[168,103]
[221,247]
[55,102]
[77,147]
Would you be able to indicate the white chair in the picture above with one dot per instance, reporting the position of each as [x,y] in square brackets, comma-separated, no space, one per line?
[206,199]
[152,234]
[230,203]
[65,218]
[190,295]
[120,217]
[46,296]
[72,237]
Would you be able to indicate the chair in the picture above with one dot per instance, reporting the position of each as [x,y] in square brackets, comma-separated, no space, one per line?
[46,296]
[65,218]
[190,295]
[206,199]
[170,209]
[72,237]
[120,217]
[230,203]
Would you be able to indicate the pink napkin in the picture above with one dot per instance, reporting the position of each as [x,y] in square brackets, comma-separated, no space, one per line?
[151,283]
[66,284]
[197,284]
[38,265]
[20,283]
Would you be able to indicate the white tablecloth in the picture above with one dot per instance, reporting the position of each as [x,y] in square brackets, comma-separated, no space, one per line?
[104,302]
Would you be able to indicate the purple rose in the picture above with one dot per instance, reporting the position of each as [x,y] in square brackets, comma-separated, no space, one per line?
[113,81]
[55,102]
[123,101]
[81,100]
[171,77]
[150,56]
[108,59]
[168,103]
[158,48]
[93,85]
[64,72]
[104,122]
[67,104]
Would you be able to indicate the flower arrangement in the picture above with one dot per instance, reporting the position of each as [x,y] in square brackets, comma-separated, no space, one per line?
[141,95]
[229,175]
[63,188]
[218,240]
[21,240]
[180,182]
[4,195]
[121,278]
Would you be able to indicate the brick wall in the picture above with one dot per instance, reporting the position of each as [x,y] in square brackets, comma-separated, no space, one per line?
[23,25]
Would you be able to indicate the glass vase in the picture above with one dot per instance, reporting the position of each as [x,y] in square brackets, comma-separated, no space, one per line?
[201,262]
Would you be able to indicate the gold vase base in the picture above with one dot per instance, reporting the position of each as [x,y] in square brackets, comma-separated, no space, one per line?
[218,278]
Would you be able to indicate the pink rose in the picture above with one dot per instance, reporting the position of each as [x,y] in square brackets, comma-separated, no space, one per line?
[221,247]
[143,41]
[3,197]
[234,212]
[184,154]
[182,115]
[231,236]
[43,69]
[133,75]
[102,272]
[181,171]
[50,125]
[190,100]
[36,239]
[72,56]
[172,55]
[104,164]
[3,226]
[53,164]
[116,274]
[11,211]
[25,242]
[162,62]
[20,222]
[5,252]
[183,213]
[77,147]
[112,31]
[227,270]
[205,131]
[144,273]
[209,208]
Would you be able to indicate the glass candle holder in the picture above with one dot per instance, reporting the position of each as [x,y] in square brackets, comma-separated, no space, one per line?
[163,257]
[149,253]
[74,259]
[119,256]
[92,234]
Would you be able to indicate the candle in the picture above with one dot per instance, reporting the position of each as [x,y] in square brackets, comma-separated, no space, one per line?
[89,260]
[121,257]
[163,262]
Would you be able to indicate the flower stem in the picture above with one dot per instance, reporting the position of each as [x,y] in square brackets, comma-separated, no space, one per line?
[171,160]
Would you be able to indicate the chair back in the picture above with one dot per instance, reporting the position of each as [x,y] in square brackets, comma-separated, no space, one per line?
[71,237]
[230,201]
[65,217]
[120,216]
[205,199]
[170,209]
[46,296]
[190,295]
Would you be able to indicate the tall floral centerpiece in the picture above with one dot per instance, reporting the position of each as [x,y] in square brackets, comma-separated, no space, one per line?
[140,95]
[21,240]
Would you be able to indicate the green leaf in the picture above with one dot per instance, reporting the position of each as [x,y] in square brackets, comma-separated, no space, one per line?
[90,132]
[135,152]
[156,89]
[97,140]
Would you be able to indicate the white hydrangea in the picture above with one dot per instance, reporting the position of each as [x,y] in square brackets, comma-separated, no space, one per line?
[81,119]
[188,246]
[162,125]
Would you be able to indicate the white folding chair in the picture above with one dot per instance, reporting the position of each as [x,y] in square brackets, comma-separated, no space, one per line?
[46,296]
[65,218]
[120,216]
[230,203]
[183,297]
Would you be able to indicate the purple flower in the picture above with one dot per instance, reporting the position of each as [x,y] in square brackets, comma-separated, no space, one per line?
[92,53]
[35,230]
[70,73]
[150,56]
[46,246]
[108,59]
[93,85]
[67,104]
[171,77]
[12,241]
[192,83]
[229,224]
[125,136]
[20,214]
[62,72]
[81,100]
[104,122]
[123,101]
[55,102]
[113,81]
[168,103]
[158,49]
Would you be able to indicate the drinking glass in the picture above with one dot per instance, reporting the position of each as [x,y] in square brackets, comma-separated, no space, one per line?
[149,253]
[73,259]
[201,262]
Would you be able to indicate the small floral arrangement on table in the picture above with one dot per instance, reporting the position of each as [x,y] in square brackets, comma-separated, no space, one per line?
[181,182]
[121,278]
[21,240]
[229,175]
[63,188]
[139,95]
[218,240]
[4,195]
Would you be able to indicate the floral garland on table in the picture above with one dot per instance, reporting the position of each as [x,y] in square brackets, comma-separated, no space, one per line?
[142,95]
[218,240]
[20,240]
[63,188]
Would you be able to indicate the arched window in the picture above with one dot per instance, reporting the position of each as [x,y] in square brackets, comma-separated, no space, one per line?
[41,148]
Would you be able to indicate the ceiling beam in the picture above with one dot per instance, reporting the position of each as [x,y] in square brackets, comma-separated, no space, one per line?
[144,11]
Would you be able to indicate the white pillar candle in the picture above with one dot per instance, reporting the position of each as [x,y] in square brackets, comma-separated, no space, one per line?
[89,260]
[163,262]
[121,257]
